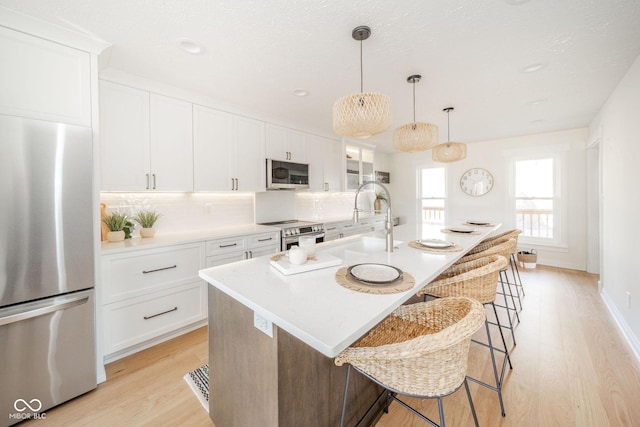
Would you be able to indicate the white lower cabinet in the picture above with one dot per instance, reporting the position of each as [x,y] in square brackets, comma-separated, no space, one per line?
[226,250]
[339,229]
[148,294]
[135,320]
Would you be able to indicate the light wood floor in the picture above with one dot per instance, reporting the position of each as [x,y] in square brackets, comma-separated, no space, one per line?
[571,368]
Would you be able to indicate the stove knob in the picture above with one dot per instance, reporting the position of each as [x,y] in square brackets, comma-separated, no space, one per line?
[297,231]
[314,228]
[287,232]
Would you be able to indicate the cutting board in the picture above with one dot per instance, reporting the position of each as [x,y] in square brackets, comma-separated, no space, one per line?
[321,261]
[104,229]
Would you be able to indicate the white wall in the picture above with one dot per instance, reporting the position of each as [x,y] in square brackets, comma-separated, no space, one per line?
[494,156]
[619,125]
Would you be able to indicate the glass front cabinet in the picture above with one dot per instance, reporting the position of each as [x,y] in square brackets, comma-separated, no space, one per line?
[359,166]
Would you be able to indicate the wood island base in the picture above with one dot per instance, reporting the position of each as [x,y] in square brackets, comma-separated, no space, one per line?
[257,380]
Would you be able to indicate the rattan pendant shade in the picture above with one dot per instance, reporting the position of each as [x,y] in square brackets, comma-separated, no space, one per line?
[415,136]
[448,152]
[363,114]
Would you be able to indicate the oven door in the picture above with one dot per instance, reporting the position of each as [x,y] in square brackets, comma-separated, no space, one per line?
[289,241]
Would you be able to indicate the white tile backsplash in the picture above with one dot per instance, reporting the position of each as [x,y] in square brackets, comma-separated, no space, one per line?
[186,211]
[326,206]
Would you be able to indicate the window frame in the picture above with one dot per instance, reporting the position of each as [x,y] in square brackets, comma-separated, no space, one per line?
[559,207]
[420,223]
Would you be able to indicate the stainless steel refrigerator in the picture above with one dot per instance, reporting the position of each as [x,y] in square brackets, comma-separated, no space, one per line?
[47,308]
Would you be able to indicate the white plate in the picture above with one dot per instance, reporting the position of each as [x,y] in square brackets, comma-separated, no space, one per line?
[478,222]
[436,243]
[462,229]
[375,273]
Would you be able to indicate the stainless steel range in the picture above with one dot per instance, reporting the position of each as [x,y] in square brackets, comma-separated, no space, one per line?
[292,230]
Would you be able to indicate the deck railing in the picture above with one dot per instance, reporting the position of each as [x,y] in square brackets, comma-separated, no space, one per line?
[535,222]
[433,214]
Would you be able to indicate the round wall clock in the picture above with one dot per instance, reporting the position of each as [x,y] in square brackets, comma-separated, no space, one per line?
[476,182]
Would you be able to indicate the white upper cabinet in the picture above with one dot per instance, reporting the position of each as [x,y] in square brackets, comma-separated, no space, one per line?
[228,152]
[124,136]
[146,141]
[285,144]
[44,80]
[250,157]
[171,144]
[325,163]
[213,151]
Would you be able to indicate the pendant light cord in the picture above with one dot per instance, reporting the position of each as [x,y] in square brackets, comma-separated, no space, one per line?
[361,72]
[448,127]
[414,101]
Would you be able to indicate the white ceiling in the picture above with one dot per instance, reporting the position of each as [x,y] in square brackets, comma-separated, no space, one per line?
[471,54]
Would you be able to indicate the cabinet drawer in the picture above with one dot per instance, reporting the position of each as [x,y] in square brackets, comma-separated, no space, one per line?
[133,321]
[213,261]
[265,250]
[266,239]
[221,246]
[136,273]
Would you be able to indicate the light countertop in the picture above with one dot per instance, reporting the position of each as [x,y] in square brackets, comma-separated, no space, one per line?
[313,307]
[168,239]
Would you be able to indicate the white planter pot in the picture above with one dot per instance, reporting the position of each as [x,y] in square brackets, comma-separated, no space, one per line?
[115,236]
[147,232]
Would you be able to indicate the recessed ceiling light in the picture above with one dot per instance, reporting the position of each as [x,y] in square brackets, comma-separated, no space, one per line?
[536,122]
[190,46]
[515,2]
[300,92]
[533,67]
[538,101]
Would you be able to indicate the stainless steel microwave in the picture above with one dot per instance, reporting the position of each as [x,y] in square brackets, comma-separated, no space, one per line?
[287,175]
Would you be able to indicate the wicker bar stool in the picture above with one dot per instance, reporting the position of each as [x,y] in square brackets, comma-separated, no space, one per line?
[420,350]
[502,246]
[513,261]
[476,279]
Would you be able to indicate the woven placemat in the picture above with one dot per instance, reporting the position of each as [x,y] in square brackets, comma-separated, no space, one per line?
[446,230]
[415,245]
[405,283]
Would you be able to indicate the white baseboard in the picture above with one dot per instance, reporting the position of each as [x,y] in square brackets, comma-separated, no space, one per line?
[622,324]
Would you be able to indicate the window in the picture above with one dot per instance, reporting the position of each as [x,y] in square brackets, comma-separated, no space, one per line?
[537,199]
[432,194]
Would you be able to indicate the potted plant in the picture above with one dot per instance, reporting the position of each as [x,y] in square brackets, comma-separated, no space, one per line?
[377,203]
[146,219]
[116,222]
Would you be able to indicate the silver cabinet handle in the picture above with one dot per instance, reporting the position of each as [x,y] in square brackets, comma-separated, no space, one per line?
[250,254]
[42,311]
[154,181]
[265,240]
[236,184]
[160,314]
[228,246]
[148,181]
[159,269]
[232,184]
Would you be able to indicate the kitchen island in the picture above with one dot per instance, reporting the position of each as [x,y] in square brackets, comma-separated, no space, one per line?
[281,372]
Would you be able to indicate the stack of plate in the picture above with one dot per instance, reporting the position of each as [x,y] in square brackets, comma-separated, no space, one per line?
[374,274]
[436,243]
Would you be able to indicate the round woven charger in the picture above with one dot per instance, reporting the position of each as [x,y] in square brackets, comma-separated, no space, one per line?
[446,230]
[403,284]
[415,245]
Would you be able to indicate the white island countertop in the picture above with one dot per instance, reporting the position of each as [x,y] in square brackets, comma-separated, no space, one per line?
[317,310]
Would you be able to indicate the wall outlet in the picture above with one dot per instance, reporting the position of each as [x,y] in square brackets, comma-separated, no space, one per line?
[628,299]
[262,324]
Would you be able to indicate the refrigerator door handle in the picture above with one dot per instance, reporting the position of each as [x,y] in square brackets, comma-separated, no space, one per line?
[41,311]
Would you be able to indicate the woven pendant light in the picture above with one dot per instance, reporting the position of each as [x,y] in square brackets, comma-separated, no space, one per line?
[448,152]
[363,114]
[416,136]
